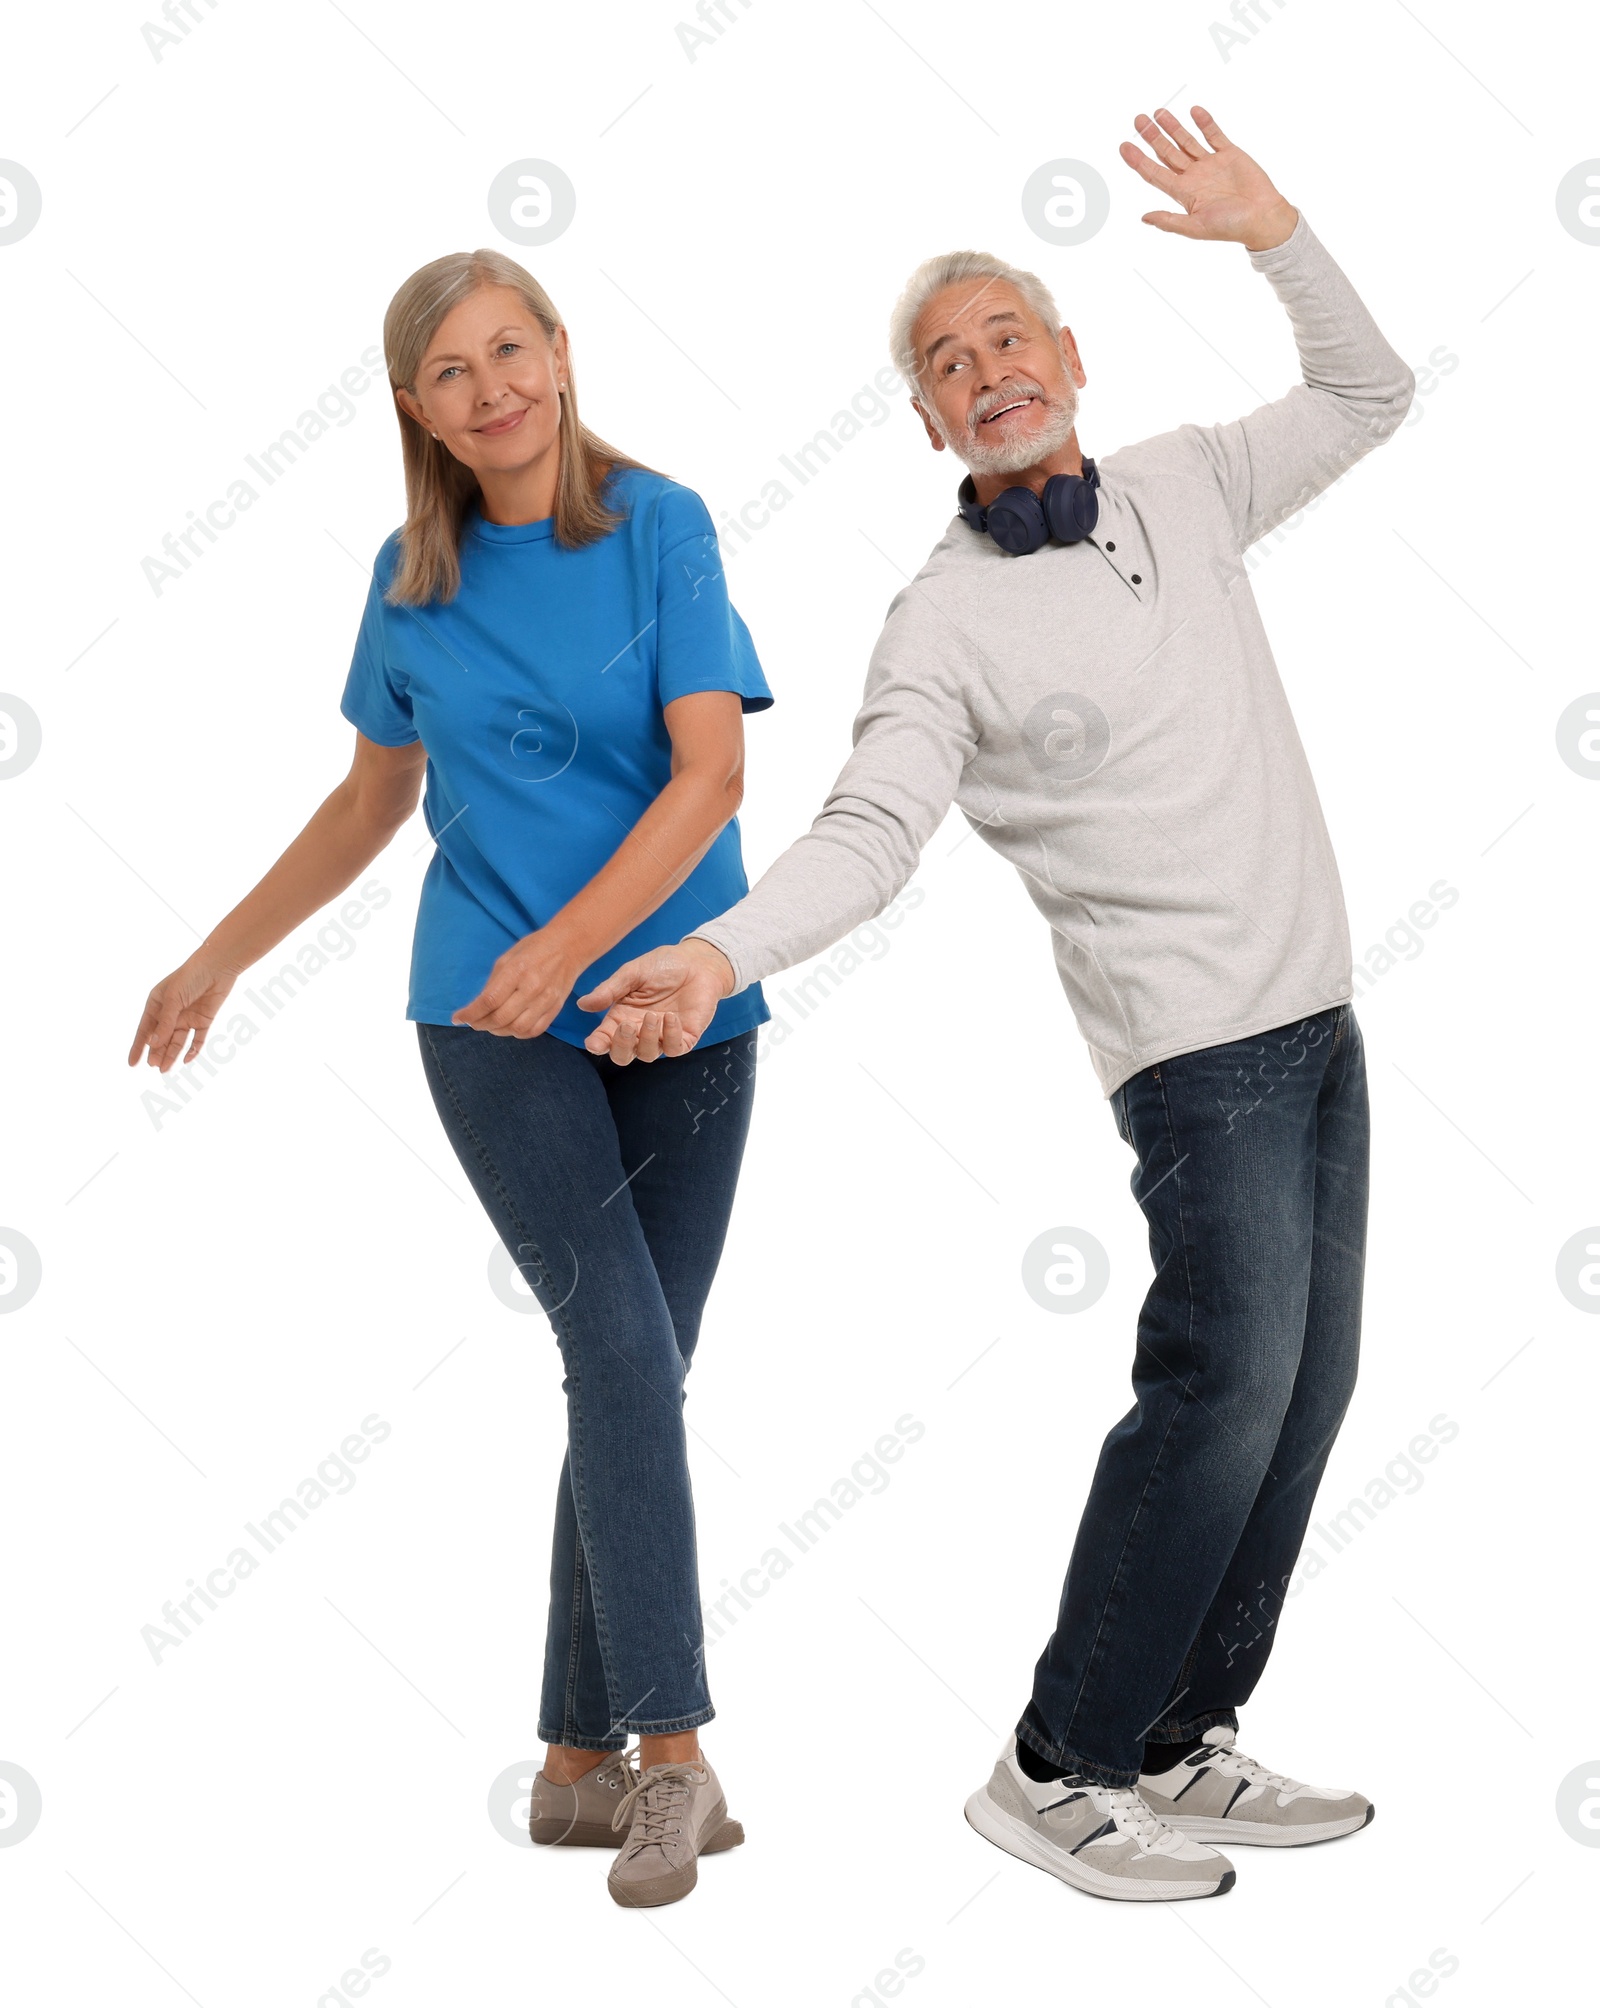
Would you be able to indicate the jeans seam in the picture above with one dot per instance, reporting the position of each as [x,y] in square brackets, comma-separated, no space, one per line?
[564,1328]
[1161,1450]
[673,1725]
[569,1708]
[574,1741]
[580,1510]
[483,1155]
[1210,1718]
[1180,1687]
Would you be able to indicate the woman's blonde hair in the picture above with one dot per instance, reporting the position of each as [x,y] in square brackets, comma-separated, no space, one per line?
[439,489]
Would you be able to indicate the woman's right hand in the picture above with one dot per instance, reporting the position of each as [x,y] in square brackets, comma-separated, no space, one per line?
[183,1004]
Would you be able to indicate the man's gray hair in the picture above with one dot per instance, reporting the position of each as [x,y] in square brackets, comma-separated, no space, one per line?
[952,268]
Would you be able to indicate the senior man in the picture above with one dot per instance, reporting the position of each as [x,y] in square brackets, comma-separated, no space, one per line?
[1080,666]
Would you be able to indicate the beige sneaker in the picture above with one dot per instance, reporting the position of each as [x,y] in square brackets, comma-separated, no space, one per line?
[676,1812]
[579,1816]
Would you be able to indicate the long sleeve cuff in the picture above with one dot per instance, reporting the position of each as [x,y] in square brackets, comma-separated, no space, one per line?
[1289,250]
[721,938]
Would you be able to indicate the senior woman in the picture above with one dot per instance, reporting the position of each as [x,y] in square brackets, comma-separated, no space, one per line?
[548,640]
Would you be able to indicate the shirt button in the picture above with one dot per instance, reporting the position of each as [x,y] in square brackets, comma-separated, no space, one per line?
[1109,545]
[1135,578]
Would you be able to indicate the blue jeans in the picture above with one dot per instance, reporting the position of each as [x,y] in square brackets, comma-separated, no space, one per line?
[611,1188]
[1252,1174]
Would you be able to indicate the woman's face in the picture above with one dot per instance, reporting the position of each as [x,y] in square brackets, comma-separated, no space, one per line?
[489,383]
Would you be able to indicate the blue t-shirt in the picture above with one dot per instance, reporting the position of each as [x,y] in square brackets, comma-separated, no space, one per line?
[538,692]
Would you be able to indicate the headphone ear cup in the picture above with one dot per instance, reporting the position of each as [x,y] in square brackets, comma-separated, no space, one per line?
[1017,521]
[1072,507]
[968,507]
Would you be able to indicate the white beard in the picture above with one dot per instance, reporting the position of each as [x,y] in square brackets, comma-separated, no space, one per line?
[971,448]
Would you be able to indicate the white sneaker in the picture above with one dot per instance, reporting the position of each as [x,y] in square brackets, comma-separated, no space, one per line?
[1103,1841]
[1218,1794]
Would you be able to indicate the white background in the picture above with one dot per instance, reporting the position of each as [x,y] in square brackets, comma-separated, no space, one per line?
[229,1289]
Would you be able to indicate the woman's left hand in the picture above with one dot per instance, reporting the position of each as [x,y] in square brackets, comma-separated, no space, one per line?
[526,988]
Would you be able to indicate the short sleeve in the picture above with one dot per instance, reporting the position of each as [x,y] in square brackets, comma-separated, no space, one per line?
[701,641]
[375,701]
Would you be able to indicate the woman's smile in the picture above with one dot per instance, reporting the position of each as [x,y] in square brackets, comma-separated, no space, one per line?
[499,425]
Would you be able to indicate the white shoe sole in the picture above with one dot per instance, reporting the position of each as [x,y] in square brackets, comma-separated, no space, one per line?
[1262,1833]
[1010,1833]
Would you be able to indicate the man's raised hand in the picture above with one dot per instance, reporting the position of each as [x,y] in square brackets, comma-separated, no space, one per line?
[1225,196]
[659,1003]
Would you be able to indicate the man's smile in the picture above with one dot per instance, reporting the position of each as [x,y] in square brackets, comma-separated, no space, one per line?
[1002,411]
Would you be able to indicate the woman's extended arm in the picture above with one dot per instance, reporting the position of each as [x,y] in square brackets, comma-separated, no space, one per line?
[349,830]
[534,977]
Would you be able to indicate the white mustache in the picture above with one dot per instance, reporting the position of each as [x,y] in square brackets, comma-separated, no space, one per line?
[1000,399]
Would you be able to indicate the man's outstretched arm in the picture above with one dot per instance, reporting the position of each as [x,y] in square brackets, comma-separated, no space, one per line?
[1355,388]
[913,736]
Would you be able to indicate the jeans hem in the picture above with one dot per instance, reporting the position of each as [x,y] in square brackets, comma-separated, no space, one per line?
[569,1739]
[1197,1725]
[676,1725]
[1109,1775]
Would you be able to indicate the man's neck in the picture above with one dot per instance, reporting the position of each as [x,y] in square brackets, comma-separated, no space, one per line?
[1066,459]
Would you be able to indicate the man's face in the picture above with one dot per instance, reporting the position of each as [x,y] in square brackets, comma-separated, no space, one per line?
[996,386]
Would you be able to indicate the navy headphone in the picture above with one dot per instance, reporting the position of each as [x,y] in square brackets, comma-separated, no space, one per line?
[1020,521]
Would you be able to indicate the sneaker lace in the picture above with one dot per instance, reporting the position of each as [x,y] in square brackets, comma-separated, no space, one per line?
[1128,1810]
[656,1802]
[1235,1764]
[1134,1818]
[623,1762]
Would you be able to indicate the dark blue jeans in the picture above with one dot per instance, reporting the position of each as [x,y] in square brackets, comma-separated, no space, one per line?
[611,1188]
[1252,1174]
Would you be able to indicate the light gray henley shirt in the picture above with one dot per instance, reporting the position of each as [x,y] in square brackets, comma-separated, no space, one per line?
[1108,717]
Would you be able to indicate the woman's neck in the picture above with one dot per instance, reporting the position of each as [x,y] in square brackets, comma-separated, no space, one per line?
[521,494]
